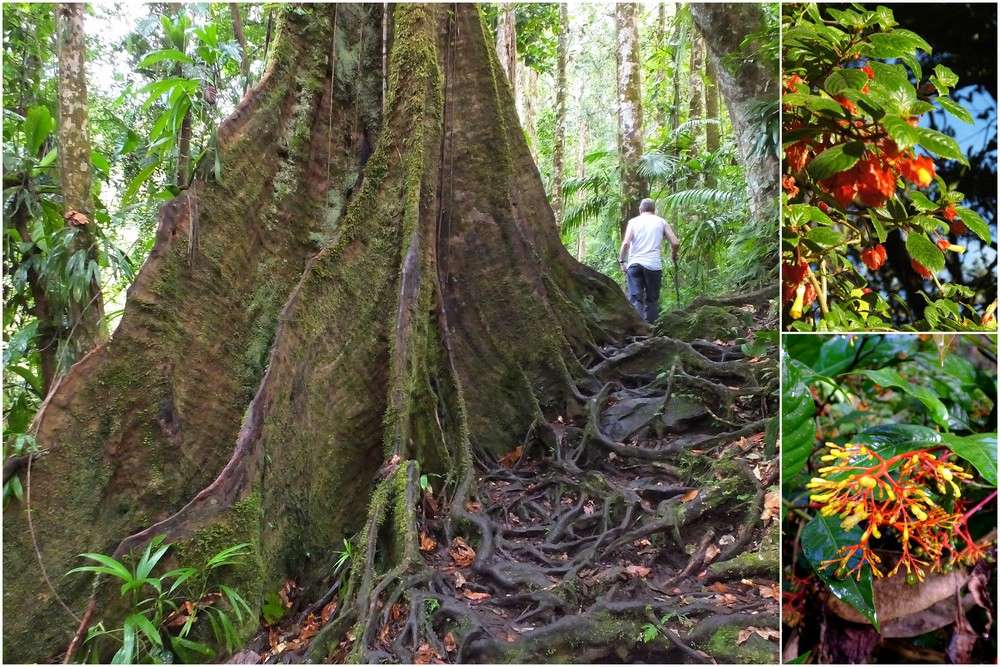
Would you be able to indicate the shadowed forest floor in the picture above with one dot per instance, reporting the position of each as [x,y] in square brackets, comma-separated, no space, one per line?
[640,527]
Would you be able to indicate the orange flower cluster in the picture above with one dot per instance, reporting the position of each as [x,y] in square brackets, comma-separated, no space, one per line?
[874,257]
[872,179]
[863,488]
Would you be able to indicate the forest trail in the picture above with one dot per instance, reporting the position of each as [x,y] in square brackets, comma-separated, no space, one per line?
[638,528]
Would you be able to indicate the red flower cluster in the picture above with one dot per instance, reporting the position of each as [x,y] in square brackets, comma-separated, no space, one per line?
[950,213]
[874,257]
[872,180]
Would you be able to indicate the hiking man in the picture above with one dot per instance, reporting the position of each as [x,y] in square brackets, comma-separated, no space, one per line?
[644,268]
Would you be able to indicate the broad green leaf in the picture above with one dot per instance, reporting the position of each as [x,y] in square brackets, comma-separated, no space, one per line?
[921,202]
[835,160]
[842,80]
[824,236]
[820,540]
[945,75]
[190,651]
[924,251]
[892,439]
[798,430]
[940,144]
[38,125]
[904,134]
[171,55]
[954,108]
[974,222]
[980,450]
[888,377]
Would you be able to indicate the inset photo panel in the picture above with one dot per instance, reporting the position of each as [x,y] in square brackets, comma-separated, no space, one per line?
[889,174]
[889,498]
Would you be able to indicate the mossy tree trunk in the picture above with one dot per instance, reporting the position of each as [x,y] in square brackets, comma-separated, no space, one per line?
[630,138]
[725,27]
[358,290]
[507,44]
[86,308]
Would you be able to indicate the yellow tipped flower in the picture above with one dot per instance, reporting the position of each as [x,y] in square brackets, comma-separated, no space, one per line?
[867,482]
[945,472]
[918,512]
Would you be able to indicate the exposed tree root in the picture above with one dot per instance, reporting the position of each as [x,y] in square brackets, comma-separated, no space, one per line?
[585,549]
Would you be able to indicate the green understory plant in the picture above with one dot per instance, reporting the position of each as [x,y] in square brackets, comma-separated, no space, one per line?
[164,609]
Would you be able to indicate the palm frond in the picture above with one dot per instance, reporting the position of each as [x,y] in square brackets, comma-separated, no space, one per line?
[702,199]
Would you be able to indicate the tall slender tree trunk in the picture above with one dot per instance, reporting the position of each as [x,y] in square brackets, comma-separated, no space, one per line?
[507,44]
[88,327]
[628,64]
[559,145]
[678,45]
[725,26]
[581,171]
[237,19]
[660,106]
[712,127]
[696,99]
[527,111]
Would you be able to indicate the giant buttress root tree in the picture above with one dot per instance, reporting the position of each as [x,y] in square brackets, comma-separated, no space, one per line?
[441,315]
[377,290]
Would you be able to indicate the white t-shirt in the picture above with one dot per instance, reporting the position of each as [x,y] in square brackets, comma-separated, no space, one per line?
[646,232]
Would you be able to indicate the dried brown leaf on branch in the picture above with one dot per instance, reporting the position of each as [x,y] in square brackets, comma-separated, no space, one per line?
[461,552]
[75,218]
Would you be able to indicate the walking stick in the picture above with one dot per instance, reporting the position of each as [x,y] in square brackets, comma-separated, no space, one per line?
[677,284]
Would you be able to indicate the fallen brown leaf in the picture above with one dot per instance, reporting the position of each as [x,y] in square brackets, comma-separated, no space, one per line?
[510,458]
[772,506]
[719,587]
[461,552]
[328,611]
[588,508]
[427,543]
[637,570]
[769,592]
[426,655]
[450,645]
[711,552]
[473,506]
[459,580]
[690,495]
[476,596]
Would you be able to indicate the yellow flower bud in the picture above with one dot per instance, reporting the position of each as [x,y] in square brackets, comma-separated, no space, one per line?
[918,512]
[867,482]
[944,472]
[888,492]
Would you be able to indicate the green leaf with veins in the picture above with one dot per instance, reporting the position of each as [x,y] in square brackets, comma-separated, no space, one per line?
[821,539]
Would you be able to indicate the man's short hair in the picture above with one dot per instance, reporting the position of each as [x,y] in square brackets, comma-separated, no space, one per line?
[647,206]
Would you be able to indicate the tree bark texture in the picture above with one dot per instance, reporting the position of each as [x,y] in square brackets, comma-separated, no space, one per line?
[725,26]
[630,138]
[507,44]
[87,325]
[559,146]
[369,290]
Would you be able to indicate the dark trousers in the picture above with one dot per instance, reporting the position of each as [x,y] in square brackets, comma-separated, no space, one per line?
[644,291]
